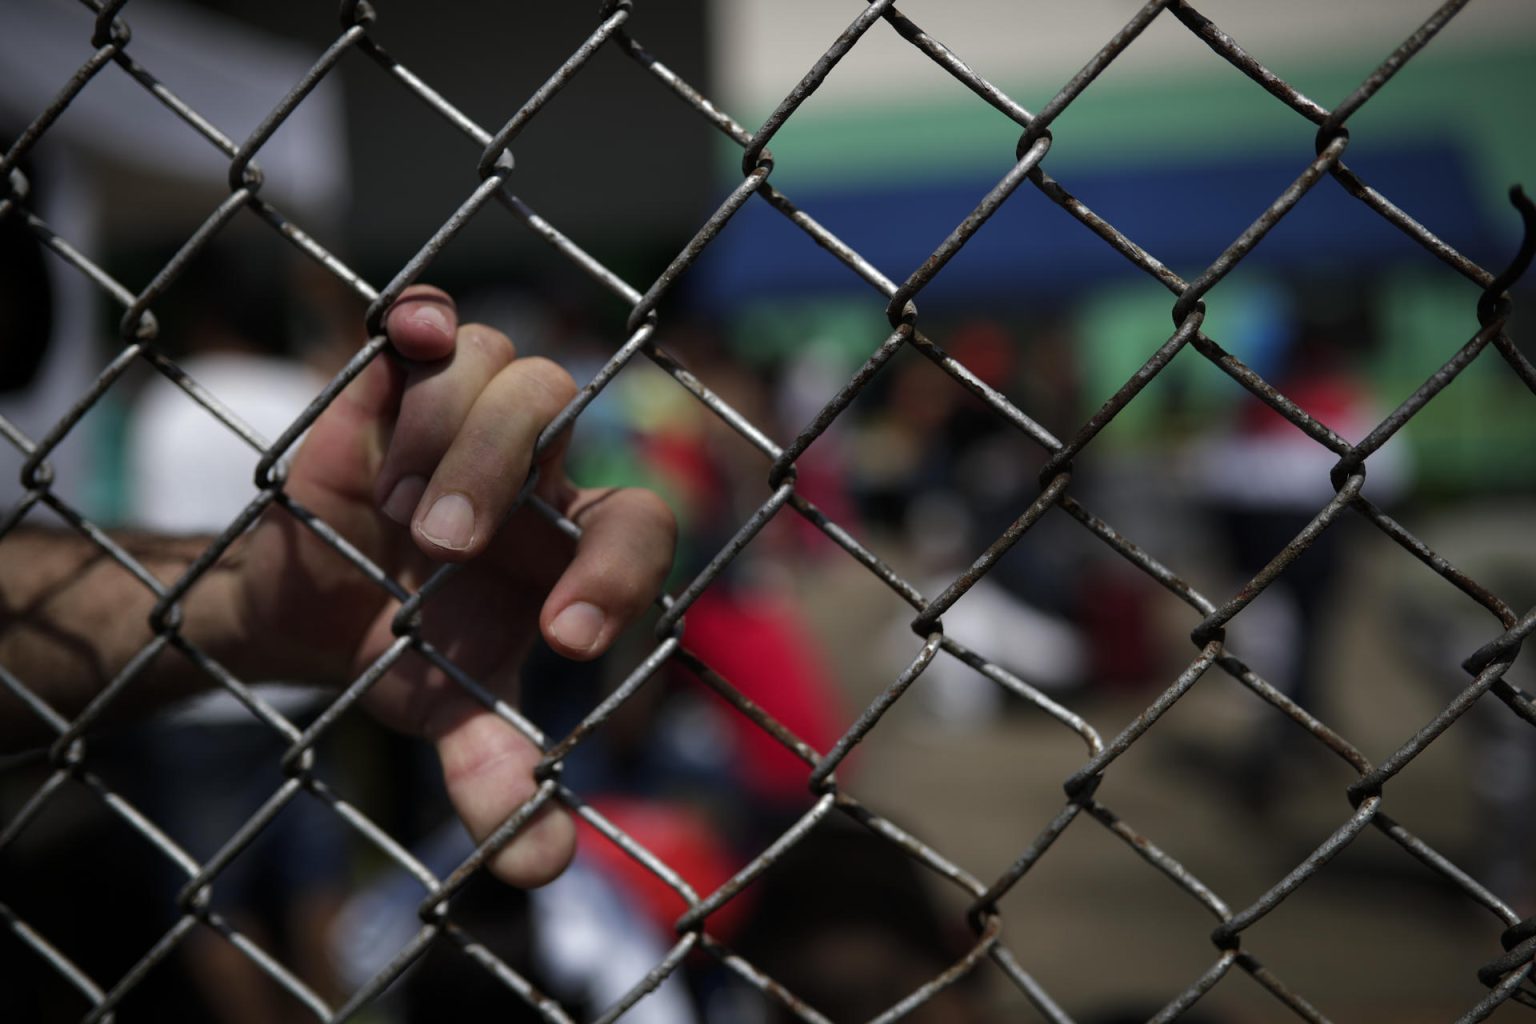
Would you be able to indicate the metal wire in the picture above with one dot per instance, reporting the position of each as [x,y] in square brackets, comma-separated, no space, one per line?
[1511,946]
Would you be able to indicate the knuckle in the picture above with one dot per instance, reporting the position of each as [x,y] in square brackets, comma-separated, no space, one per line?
[652,519]
[656,511]
[488,344]
[553,381]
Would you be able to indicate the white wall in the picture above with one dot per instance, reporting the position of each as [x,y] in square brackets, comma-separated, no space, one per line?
[761,48]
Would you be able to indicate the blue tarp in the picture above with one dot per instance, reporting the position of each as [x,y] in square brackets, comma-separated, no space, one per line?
[1183,214]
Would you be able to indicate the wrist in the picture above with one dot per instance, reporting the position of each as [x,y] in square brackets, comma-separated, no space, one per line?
[216,618]
[279,608]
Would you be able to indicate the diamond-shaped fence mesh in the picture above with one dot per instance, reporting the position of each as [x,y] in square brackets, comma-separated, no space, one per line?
[774,499]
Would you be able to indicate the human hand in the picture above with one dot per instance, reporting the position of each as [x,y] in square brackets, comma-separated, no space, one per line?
[416,463]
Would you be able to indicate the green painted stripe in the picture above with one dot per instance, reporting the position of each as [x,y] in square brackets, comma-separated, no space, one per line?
[1483,100]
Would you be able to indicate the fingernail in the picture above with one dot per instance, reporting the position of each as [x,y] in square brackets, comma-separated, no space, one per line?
[432,317]
[450,522]
[579,626]
[402,501]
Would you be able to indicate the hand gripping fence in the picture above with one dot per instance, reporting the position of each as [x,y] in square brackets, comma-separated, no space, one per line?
[1510,946]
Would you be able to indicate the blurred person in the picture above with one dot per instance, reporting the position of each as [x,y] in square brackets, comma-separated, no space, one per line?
[845,921]
[214,763]
[580,939]
[46,336]
[1041,649]
[1263,481]
[964,487]
[26,301]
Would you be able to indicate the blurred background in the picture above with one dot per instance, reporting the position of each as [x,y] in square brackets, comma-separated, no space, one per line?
[1171,145]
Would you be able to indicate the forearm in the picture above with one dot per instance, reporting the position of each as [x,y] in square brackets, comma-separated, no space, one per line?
[72,618]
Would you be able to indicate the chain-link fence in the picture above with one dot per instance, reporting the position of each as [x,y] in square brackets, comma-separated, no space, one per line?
[1509,942]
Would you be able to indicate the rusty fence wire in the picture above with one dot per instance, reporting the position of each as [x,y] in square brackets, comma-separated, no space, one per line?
[1510,941]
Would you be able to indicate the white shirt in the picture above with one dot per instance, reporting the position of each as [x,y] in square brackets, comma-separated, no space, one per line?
[188,473]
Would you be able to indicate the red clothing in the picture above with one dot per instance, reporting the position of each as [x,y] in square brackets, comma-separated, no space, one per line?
[761,647]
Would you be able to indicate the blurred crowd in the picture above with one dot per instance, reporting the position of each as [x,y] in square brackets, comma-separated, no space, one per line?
[919,468]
